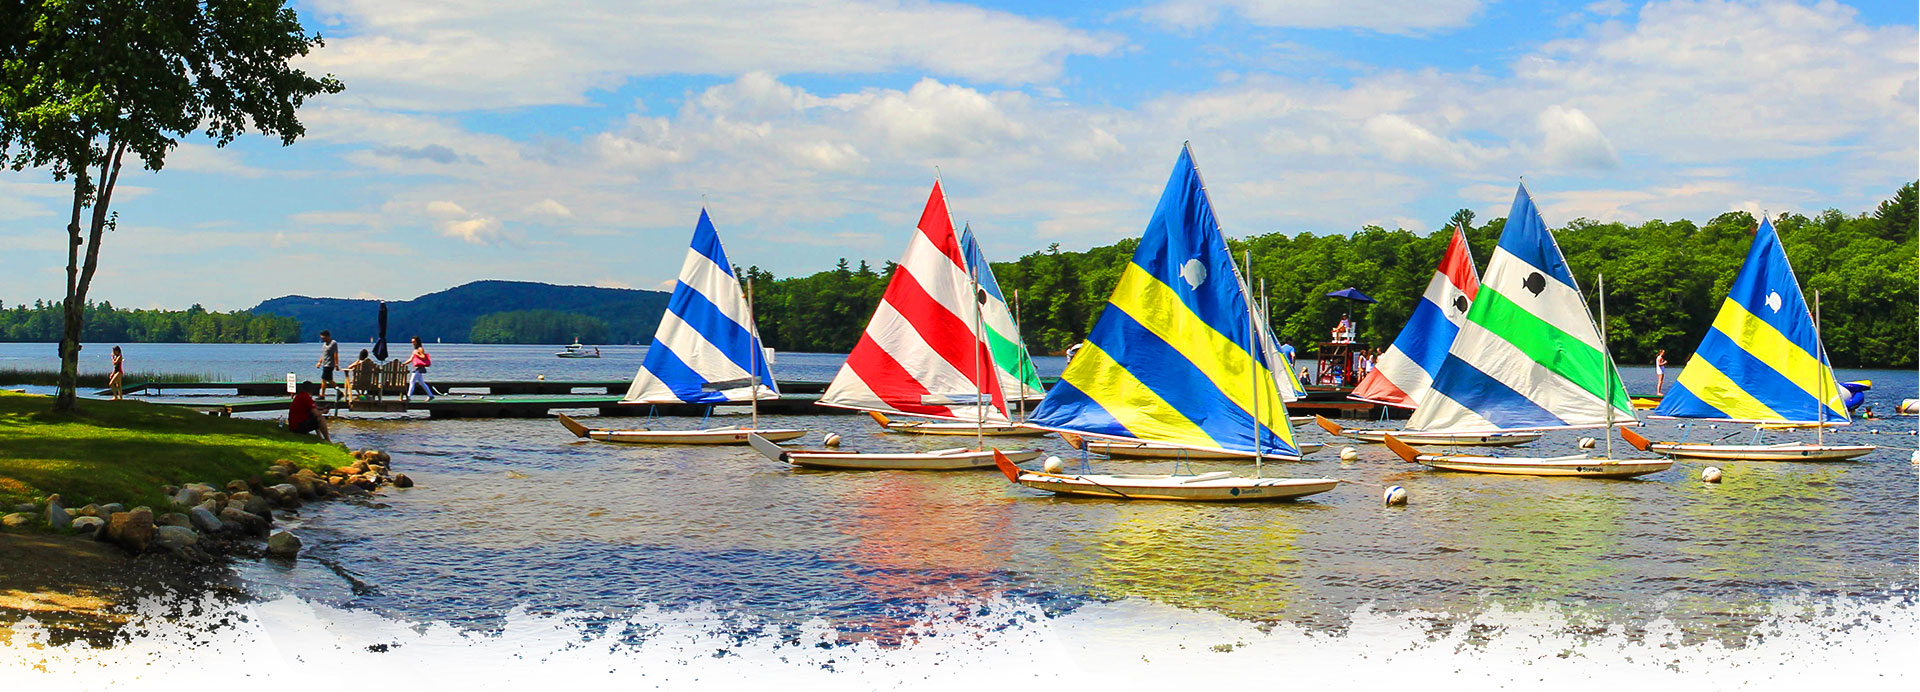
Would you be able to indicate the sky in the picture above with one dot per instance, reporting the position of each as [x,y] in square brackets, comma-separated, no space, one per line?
[575,142]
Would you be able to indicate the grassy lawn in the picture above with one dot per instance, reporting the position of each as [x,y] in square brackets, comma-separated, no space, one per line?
[124,451]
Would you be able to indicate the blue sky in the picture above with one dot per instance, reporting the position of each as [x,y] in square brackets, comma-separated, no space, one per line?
[573,142]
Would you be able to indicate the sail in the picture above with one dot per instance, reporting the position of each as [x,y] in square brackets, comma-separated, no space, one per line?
[1171,358]
[1405,372]
[1528,354]
[920,354]
[706,337]
[1283,373]
[1013,366]
[1762,361]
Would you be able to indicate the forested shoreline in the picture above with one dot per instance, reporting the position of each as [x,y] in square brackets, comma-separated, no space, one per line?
[1664,279]
[42,322]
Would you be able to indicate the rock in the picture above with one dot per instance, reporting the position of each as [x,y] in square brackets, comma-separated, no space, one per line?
[87,525]
[284,495]
[358,466]
[16,520]
[218,497]
[353,491]
[176,519]
[365,481]
[204,519]
[305,480]
[210,505]
[110,508]
[131,529]
[186,497]
[91,510]
[343,471]
[237,520]
[380,457]
[255,504]
[336,481]
[175,537]
[400,480]
[204,489]
[27,507]
[236,486]
[273,477]
[57,517]
[283,544]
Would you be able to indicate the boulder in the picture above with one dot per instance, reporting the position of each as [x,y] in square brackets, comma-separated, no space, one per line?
[91,510]
[236,486]
[175,537]
[380,457]
[336,481]
[204,519]
[283,544]
[365,481]
[210,505]
[88,525]
[237,520]
[131,529]
[305,480]
[218,497]
[358,466]
[343,471]
[108,509]
[176,519]
[16,520]
[57,517]
[254,504]
[353,491]
[400,480]
[27,507]
[284,495]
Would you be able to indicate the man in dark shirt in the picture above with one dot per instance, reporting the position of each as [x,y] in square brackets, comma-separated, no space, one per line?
[329,361]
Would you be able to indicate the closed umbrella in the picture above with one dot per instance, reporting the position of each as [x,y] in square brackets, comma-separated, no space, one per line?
[380,344]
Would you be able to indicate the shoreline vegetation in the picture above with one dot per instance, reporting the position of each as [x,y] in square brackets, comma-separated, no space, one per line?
[98,380]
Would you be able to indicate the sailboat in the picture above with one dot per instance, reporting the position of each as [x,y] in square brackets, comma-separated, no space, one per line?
[1528,357]
[1405,372]
[1762,363]
[1176,359]
[922,355]
[1019,383]
[706,351]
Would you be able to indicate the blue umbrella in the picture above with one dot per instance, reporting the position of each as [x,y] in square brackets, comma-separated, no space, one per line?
[1351,293]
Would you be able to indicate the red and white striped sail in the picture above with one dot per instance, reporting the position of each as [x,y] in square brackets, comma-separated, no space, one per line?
[921,354]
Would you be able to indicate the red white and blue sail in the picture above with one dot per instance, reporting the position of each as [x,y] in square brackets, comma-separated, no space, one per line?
[921,354]
[707,349]
[1404,374]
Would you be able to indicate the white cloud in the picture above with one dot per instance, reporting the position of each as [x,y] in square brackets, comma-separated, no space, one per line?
[548,207]
[464,54]
[1572,140]
[1385,16]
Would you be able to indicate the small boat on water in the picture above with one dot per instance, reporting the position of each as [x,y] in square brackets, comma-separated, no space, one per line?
[934,427]
[1762,362]
[1176,360]
[1431,439]
[1135,449]
[706,351]
[575,350]
[955,459]
[1529,357]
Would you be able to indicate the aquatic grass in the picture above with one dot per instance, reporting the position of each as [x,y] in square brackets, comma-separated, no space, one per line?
[98,380]
[124,451]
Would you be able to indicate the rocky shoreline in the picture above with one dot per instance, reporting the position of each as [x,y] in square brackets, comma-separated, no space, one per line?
[203,521]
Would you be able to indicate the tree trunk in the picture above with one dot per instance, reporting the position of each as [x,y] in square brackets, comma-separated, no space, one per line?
[80,276]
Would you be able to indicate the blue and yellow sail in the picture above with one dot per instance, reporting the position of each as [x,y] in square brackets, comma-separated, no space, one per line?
[1762,361]
[1172,358]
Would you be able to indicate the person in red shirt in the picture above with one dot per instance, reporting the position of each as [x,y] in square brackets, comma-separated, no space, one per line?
[303,417]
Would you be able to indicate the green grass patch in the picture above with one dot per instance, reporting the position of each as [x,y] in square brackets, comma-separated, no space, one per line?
[96,380]
[124,451]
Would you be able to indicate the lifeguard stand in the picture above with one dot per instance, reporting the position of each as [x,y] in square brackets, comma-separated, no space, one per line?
[1337,358]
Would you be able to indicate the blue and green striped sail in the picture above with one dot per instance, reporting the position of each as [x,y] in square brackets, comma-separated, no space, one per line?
[1762,361]
[1171,359]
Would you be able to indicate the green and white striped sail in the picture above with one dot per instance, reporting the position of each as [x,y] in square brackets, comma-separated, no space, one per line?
[1018,381]
[1528,355]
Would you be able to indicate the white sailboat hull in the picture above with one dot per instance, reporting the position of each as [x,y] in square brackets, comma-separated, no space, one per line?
[1578,465]
[1786,451]
[1150,450]
[957,429]
[710,436]
[957,459]
[1433,439]
[1202,488]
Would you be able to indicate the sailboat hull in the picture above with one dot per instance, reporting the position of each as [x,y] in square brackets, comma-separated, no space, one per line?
[710,436]
[1789,451]
[1443,439]
[1149,450]
[958,459]
[963,429]
[1202,488]
[1581,466]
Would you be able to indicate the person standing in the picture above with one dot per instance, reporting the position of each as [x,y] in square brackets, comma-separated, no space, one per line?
[1660,372]
[329,361]
[118,379]
[419,360]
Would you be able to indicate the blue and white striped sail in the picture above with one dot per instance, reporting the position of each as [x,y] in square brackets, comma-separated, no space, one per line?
[707,347]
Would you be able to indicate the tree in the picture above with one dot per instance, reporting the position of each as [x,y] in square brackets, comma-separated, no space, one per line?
[83,82]
[1462,218]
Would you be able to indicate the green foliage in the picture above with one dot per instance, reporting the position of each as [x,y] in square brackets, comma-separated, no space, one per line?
[537,327]
[106,324]
[1665,281]
[123,451]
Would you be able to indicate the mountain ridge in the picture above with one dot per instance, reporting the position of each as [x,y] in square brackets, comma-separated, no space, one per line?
[631,314]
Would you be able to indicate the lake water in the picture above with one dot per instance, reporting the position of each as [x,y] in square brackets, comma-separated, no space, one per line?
[518,513]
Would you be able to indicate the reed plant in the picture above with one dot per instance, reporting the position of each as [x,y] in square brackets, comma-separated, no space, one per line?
[49,378]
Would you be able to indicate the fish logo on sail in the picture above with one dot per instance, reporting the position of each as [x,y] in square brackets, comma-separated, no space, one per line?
[1535,283]
[1194,272]
[1773,301]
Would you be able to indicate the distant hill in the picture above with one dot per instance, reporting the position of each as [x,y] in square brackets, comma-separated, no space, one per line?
[631,315]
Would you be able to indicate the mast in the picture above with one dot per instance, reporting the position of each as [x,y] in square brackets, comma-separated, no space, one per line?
[753,359]
[1606,377]
[1820,430]
[1253,369]
[1025,359]
[979,389]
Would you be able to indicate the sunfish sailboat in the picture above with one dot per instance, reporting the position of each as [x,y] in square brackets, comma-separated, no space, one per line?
[1019,384]
[921,355]
[1763,363]
[1175,358]
[1528,357]
[706,351]
[1405,372]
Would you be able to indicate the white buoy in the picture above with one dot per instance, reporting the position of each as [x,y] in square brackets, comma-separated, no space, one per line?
[1396,496]
[541,378]
[1349,454]
[1587,443]
[1916,456]
[833,439]
[1710,474]
[1053,465]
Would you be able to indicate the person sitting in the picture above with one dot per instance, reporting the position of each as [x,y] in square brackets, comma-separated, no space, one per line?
[362,374]
[303,416]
